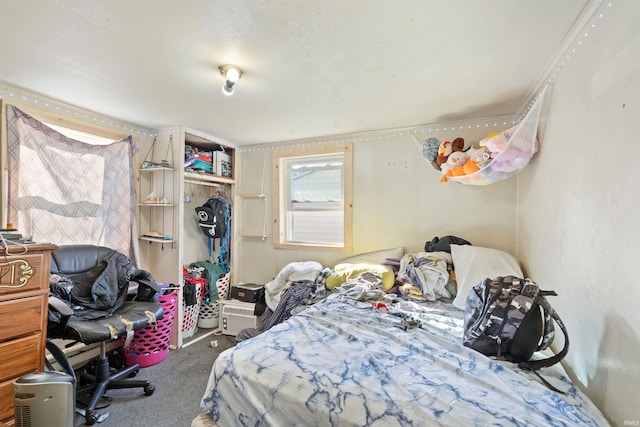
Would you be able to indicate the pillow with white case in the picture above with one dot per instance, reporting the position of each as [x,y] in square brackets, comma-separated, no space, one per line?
[473,264]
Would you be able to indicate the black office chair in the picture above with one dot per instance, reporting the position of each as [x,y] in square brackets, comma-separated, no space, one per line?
[90,302]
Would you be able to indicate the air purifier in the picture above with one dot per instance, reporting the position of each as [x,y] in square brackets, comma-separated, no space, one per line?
[236,315]
[44,399]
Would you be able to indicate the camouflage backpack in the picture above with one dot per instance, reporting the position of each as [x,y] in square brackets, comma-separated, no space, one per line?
[510,318]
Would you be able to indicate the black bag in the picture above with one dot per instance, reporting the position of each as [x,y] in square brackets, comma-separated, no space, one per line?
[212,217]
[510,318]
[443,244]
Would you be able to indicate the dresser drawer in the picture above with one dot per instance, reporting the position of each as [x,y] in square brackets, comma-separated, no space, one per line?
[22,316]
[26,272]
[21,356]
[6,400]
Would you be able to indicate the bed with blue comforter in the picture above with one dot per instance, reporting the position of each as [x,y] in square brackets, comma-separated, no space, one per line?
[342,362]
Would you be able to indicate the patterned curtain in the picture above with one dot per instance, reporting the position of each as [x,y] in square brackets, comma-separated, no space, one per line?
[66,191]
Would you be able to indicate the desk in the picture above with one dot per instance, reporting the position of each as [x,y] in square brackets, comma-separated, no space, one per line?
[24,294]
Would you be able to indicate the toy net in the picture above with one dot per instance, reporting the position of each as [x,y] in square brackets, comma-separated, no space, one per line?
[520,148]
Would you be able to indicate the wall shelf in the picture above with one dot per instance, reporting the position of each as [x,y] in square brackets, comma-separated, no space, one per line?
[204,178]
[253,196]
[156,169]
[157,179]
[250,216]
[155,239]
[254,236]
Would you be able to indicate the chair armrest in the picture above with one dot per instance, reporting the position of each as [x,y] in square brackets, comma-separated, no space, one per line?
[149,283]
[59,306]
[146,289]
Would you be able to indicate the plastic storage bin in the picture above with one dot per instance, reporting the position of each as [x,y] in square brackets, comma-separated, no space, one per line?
[190,313]
[150,345]
[209,311]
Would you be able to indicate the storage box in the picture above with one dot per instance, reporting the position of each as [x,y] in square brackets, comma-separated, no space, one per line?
[247,292]
[222,163]
[236,315]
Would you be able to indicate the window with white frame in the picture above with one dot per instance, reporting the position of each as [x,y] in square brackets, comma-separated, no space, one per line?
[313,196]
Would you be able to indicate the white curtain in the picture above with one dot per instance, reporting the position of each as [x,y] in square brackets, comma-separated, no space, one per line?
[66,191]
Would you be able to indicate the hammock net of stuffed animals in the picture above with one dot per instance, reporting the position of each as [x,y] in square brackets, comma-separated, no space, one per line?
[522,144]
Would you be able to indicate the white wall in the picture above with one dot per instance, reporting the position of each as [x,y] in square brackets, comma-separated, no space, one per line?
[399,201]
[578,211]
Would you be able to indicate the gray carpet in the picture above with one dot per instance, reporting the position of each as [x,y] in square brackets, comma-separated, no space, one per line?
[180,381]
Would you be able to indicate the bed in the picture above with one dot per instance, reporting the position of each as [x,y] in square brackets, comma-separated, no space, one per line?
[348,362]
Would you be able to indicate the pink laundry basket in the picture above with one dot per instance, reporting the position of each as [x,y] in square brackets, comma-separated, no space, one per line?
[150,345]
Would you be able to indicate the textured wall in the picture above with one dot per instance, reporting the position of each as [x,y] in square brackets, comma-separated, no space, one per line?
[578,206]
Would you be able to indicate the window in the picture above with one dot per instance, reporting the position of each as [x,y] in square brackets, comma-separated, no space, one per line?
[313,197]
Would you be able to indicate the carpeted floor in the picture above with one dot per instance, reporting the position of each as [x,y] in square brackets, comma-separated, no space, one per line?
[180,381]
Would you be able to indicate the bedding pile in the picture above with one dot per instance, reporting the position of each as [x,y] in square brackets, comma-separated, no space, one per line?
[341,363]
[369,355]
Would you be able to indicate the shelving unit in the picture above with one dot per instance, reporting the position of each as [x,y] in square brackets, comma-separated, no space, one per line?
[188,190]
[251,216]
[152,180]
[245,200]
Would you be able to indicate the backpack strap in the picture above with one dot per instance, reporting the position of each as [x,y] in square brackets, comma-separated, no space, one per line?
[534,365]
[525,365]
[544,363]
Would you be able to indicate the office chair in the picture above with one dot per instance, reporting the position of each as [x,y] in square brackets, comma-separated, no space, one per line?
[90,303]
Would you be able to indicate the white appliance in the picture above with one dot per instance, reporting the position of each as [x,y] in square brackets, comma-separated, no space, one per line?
[44,399]
[236,315]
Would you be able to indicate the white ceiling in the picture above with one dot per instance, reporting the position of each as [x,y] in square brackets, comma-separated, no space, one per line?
[311,68]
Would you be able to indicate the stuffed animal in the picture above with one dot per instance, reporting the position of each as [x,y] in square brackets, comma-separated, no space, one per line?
[510,160]
[454,165]
[430,150]
[497,142]
[477,158]
[507,157]
[446,148]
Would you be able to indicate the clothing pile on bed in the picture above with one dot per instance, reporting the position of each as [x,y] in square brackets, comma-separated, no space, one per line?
[421,276]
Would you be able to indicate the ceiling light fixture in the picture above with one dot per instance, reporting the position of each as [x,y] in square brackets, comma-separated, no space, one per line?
[231,74]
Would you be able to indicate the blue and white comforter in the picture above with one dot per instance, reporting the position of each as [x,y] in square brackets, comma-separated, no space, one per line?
[340,364]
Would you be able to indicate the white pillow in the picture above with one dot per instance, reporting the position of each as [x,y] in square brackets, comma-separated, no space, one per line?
[473,264]
[375,257]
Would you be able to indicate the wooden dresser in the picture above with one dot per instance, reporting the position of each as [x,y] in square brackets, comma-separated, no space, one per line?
[24,293]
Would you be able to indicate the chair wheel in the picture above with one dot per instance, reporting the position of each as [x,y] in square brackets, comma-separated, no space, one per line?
[134,373]
[148,390]
[91,419]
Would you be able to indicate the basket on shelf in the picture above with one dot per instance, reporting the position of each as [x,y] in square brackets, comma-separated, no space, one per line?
[150,345]
[190,312]
[209,311]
